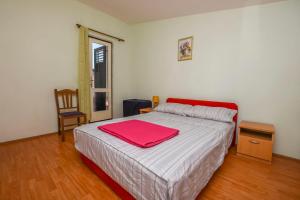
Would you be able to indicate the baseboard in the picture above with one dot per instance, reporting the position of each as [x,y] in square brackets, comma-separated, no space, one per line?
[47,134]
[27,138]
[286,157]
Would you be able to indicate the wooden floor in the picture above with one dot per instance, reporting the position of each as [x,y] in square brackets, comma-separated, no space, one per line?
[44,168]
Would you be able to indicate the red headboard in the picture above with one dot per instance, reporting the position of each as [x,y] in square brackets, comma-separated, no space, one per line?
[232,106]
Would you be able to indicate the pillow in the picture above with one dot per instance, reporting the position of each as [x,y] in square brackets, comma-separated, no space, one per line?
[174,108]
[214,113]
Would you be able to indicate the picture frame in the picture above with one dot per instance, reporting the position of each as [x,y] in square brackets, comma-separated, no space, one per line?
[185,48]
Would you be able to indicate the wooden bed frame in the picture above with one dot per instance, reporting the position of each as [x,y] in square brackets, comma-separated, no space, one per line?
[121,192]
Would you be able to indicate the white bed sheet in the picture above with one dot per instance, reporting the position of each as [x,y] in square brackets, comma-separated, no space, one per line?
[175,169]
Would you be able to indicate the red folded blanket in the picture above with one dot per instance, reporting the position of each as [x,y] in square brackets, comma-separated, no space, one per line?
[139,133]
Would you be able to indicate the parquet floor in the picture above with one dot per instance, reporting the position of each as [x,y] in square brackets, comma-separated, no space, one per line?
[45,168]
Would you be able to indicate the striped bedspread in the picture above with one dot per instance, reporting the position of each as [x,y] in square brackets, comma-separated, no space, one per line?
[175,169]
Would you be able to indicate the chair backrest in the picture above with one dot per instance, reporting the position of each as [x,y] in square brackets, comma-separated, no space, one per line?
[64,100]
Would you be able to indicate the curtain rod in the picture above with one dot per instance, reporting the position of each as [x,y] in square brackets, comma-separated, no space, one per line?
[119,39]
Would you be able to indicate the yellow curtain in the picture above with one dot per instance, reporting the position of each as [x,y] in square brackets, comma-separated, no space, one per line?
[84,73]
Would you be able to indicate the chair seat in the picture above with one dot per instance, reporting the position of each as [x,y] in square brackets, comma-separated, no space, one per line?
[71,114]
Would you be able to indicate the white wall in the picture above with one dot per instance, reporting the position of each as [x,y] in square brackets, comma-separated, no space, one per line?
[250,56]
[39,52]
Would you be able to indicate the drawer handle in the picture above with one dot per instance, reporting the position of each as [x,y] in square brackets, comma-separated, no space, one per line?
[253,142]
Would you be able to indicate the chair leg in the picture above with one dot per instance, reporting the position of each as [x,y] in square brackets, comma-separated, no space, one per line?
[84,119]
[78,121]
[58,124]
[62,129]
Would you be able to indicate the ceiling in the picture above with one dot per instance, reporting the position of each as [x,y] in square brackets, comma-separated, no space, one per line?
[135,11]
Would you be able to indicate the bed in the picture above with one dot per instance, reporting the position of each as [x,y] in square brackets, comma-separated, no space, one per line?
[175,169]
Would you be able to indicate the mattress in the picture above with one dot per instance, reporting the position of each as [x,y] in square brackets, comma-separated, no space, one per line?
[175,169]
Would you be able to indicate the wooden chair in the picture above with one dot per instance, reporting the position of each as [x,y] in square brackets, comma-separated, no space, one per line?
[67,110]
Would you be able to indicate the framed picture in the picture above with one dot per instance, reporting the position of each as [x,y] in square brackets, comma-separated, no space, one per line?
[185,48]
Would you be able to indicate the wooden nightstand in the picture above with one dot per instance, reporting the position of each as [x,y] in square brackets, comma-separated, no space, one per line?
[256,140]
[145,110]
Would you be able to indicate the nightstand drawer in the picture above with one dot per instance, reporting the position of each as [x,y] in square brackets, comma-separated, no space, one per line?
[256,147]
